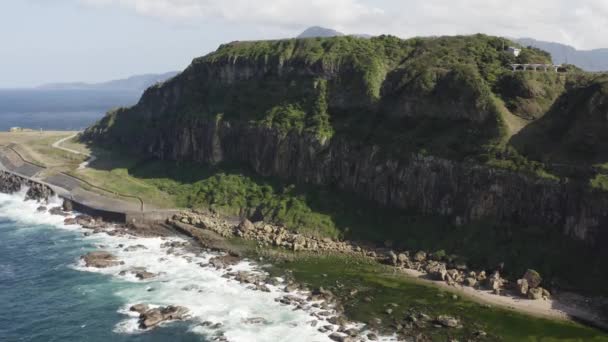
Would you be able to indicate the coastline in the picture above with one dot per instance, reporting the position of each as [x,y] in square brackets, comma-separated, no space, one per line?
[545,309]
[550,308]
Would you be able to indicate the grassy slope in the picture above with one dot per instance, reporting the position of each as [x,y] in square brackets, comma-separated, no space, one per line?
[341,275]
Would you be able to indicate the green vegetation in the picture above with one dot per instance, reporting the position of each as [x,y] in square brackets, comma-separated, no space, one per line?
[454,97]
[431,94]
[284,119]
[510,159]
[341,275]
[326,212]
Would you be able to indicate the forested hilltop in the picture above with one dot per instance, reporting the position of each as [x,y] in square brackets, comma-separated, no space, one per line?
[440,127]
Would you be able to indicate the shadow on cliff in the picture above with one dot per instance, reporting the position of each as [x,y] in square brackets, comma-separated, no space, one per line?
[574,131]
[325,211]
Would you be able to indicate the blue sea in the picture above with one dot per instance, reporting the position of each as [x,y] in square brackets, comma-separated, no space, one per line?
[59,109]
[47,294]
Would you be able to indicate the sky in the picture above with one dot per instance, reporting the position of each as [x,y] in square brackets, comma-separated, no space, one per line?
[46,41]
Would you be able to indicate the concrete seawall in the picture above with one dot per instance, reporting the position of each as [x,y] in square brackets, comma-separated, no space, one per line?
[71,189]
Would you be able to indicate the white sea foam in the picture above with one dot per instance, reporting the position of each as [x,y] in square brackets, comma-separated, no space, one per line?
[15,208]
[181,281]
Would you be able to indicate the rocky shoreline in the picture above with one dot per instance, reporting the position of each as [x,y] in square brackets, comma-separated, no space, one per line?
[324,308]
[437,266]
[11,183]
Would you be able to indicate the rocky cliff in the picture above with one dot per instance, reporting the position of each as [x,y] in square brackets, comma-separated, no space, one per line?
[403,123]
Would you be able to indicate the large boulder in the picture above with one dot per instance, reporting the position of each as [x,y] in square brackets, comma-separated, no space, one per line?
[68,205]
[447,321]
[402,258]
[495,282]
[139,308]
[436,271]
[246,226]
[420,256]
[522,287]
[470,281]
[100,259]
[154,317]
[538,293]
[535,293]
[533,278]
[58,211]
[392,258]
[224,261]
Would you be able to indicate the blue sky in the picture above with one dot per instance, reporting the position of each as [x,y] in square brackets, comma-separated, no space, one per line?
[45,41]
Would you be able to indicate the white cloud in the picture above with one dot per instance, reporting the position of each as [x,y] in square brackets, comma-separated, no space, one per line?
[582,23]
[283,13]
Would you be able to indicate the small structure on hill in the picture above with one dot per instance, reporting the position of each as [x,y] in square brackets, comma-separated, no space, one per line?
[514,51]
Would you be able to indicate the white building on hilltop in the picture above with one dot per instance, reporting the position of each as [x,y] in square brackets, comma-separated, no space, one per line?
[514,51]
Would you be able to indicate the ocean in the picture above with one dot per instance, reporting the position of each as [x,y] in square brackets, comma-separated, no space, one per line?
[59,109]
[47,294]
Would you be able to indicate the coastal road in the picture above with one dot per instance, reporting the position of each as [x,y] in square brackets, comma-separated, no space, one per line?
[91,157]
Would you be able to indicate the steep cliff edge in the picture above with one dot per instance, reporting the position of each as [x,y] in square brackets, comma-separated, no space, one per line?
[407,123]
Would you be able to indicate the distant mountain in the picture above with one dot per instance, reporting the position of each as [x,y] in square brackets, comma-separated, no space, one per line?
[590,60]
[317,31]
[137,83]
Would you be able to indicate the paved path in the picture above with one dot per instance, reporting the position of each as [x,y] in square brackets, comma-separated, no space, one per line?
[91,157]
[92,199]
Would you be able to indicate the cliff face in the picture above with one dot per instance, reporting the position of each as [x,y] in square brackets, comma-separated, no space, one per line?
[328,113]
[464,191]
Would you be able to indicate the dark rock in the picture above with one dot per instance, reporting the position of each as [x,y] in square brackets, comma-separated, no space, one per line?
[58,211]
[224,261]
[255,320]
[338,337]
[69,221]
[143,275]
[139,308]
[68,205]
[154,317]
[135,248]
[100,259]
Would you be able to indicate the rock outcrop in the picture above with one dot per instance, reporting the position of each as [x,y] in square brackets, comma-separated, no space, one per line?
[150,318]
[11,183]
[100,259]
[529,286]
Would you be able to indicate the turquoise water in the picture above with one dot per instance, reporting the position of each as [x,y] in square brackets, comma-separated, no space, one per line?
[42,298]
[47,294]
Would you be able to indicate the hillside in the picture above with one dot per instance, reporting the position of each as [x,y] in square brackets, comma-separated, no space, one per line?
[428,142]
[319,32]
[374,89]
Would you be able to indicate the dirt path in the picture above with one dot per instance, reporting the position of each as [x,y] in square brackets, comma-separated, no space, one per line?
[552,308]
